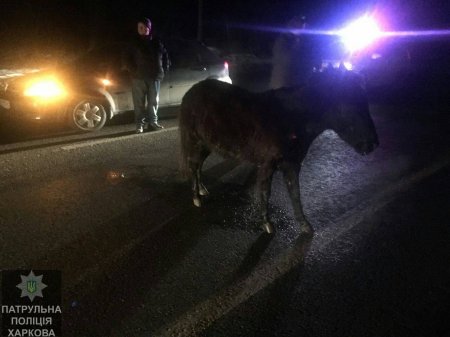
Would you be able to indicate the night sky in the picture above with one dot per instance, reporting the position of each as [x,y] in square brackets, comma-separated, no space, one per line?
[70,24]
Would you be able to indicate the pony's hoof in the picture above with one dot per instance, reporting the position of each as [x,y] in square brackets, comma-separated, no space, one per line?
[197,202]
[268,228]
[203,191]
[306,230]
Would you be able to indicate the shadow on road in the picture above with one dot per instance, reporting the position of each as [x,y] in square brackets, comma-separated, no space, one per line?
[56,140]
[138,266]
[252,258]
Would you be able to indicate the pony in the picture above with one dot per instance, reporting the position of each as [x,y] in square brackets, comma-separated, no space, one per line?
[272,129]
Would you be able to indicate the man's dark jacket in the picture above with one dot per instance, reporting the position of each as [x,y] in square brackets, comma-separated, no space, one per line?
[146,58]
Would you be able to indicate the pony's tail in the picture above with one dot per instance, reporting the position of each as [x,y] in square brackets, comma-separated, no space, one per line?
[185,121]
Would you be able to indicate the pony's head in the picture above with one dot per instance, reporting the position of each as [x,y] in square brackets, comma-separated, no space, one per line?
[348,108]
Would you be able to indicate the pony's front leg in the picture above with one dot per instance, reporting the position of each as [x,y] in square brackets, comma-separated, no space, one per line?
[291,173]
[197,186]
[195,172]
[264,185]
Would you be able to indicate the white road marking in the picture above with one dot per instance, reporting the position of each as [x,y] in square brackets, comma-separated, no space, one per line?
[116,139]
[206,313]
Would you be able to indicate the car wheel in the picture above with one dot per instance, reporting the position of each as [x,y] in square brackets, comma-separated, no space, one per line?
[88,115]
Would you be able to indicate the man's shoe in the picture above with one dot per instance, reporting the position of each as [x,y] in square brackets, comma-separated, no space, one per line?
[139,129]
[156,126]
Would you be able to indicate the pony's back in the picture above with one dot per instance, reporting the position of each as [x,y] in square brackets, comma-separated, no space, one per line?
[229,120]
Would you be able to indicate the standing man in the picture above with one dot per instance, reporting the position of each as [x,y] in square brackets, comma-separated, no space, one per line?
[146,60]
[294,56]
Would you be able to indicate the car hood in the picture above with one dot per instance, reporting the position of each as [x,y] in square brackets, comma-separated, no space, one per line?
[12,73]
[7,76]
[13,81]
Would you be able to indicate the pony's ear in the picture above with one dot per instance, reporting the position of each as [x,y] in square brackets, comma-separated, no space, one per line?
[342,68]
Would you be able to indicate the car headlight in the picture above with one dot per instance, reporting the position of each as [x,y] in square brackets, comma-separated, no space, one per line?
[45,89]
[105,82]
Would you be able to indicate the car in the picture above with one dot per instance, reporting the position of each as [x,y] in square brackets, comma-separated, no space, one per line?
[91,88]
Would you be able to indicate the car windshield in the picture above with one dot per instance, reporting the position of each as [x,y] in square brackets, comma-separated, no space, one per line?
[182,53]
[98,59]
[186,53]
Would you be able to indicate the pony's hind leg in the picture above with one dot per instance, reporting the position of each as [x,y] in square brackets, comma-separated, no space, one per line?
[264,185]
[290,174]
[202,190]
[196,160]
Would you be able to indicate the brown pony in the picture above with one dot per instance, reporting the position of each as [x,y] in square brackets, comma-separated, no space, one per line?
[273,129]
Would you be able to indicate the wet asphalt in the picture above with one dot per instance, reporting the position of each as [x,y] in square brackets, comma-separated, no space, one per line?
[387,276]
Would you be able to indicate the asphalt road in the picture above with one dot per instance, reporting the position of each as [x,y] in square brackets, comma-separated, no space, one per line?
[112,213]
[385,274]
